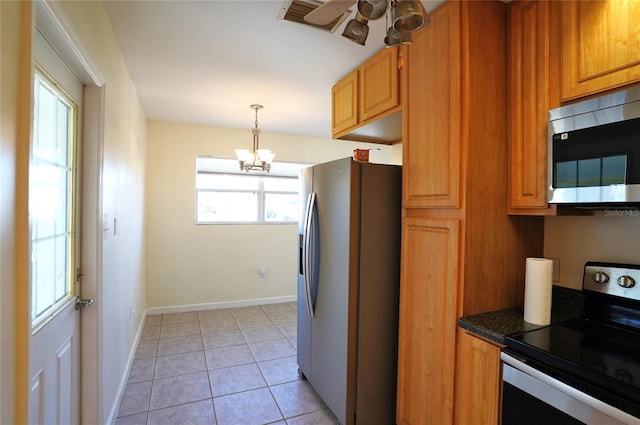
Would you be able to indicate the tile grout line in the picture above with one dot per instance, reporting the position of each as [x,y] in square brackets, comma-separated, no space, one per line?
[243,332]
[206,365]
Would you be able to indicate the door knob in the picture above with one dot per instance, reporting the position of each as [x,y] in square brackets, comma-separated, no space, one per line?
[82,304]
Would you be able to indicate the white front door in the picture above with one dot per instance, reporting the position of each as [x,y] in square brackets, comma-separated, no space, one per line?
[54,353]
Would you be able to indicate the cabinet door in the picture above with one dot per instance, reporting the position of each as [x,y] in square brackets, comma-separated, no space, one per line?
[344,100]
[478,381]
[379,84]
[426,356]
[533,90]
[600,46]
[431,150]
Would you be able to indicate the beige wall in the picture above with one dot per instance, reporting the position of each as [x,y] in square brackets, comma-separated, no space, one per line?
[190,264]
[123,198]
[610,235]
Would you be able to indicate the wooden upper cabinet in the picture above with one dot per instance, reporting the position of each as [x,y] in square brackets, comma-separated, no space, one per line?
[533,78]
[344,97]
[432,145]
[379,84]
[478,381]
[366,104]
[600,46]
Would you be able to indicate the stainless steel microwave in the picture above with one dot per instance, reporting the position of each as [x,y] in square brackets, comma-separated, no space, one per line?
[594,151]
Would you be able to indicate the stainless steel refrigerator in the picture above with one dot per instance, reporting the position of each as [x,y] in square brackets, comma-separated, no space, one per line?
[348,287]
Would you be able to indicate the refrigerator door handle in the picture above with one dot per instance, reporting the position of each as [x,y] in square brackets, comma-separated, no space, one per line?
[310,254]
[305,252]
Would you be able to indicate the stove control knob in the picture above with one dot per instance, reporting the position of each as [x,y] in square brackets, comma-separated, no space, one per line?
[600,278]
[624,376]
[626,281]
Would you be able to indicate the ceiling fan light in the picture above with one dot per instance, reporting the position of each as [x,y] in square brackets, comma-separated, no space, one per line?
[409,15]
[356,30]
[372,9]
[396,38]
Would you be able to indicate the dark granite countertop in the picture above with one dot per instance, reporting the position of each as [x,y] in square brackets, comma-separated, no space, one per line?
[494,325]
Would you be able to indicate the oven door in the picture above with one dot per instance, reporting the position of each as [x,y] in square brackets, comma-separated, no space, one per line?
[529,396]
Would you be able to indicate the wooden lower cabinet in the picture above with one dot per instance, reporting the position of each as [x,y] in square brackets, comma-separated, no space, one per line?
[446,376]
[427,320]
[478,381]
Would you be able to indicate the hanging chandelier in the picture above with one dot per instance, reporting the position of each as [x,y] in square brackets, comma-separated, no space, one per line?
[258,159]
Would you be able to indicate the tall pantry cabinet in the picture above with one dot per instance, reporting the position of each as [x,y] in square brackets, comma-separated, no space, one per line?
[461,252]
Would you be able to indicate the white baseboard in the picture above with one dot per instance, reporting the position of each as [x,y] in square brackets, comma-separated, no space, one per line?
[219,305]
[113,412]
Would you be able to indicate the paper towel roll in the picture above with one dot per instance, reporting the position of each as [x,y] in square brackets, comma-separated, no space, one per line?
[537,291]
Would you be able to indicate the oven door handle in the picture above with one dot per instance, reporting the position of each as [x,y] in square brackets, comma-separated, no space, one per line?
[521,375]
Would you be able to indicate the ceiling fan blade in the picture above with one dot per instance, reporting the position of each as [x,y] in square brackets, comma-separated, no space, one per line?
[328,12]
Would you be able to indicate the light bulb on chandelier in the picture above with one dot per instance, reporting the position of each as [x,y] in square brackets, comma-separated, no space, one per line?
[256,159]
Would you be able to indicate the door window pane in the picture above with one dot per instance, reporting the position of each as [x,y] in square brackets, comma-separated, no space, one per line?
[51,177]
[48,200]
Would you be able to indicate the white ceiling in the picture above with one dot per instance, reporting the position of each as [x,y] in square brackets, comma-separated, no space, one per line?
[206,61]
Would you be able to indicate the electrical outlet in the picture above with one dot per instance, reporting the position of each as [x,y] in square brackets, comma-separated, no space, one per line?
[262,272]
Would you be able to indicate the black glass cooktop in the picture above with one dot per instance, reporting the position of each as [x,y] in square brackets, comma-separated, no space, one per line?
[605,356]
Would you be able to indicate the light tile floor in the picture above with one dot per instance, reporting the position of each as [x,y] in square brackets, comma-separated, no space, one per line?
[235,366]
